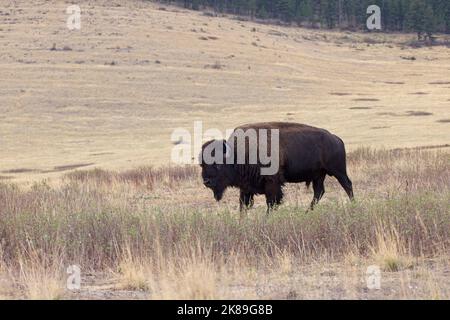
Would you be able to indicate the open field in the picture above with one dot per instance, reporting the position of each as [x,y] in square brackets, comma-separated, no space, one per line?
[111,94]
[149,234]
[85,176]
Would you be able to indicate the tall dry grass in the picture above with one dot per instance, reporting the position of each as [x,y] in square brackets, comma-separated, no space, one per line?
[148,177]
[106,220]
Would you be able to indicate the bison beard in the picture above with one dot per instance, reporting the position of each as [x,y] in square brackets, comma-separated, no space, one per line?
[306,154]
[218,193]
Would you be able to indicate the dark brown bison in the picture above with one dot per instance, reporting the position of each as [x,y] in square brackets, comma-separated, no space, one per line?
[305,154]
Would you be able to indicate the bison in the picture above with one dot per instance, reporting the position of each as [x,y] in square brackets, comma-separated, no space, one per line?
[305,154]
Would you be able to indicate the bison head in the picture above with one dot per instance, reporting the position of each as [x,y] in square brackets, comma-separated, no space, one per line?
[215,171]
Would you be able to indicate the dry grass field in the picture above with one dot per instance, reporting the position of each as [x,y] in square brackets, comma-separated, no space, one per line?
[85,176]
[152,234]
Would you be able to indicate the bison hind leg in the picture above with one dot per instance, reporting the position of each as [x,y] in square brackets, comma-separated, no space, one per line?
[274,194]
[319,189]
[346,183]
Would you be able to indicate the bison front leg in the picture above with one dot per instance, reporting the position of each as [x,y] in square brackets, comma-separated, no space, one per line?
[274,194]
[245,200]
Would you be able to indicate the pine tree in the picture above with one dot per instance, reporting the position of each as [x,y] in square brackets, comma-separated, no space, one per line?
[421,19]
[422,16]
[429,21]
[415,18]
[284,10]
[305,11]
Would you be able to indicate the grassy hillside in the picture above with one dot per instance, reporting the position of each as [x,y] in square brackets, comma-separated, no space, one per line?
[111,94]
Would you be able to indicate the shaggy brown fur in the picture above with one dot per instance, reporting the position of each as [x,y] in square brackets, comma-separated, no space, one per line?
[306,154]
